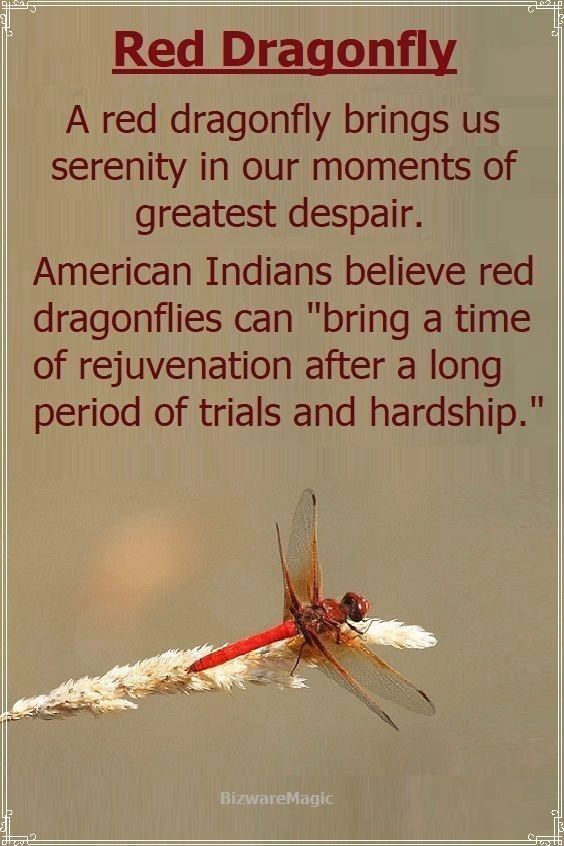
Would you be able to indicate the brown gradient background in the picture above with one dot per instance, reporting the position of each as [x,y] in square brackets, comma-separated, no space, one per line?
[126,543]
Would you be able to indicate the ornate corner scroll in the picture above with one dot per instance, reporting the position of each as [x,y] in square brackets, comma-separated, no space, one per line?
[557,16]
[8,837]
[554,839]
[10,6]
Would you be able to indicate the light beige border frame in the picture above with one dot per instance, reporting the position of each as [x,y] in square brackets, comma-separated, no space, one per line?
[10,11]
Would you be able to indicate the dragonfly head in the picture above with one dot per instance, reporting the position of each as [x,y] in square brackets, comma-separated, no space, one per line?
[355,606]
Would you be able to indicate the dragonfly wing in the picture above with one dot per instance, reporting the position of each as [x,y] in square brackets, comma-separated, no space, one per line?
[302,557]
[319,652]
[291,600]
[375,675]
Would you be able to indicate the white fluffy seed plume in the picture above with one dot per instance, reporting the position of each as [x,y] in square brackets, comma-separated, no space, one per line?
[119,688]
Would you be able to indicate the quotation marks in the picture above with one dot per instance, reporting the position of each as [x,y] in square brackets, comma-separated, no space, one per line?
[537,401]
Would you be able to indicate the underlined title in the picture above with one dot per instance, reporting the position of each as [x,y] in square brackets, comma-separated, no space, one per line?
[413,52]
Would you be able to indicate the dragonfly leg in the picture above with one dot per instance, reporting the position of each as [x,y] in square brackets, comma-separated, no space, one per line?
[337,628]
[298,658]
[330,624]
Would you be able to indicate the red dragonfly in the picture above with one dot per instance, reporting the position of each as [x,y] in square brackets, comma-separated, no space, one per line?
[326,632]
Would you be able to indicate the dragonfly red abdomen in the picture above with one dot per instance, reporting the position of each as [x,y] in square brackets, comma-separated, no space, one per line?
[285,630]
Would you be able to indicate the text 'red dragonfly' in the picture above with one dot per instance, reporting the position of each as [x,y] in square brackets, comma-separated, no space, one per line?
[323,631]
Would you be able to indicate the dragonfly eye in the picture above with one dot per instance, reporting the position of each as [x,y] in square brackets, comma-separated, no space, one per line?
[355,606]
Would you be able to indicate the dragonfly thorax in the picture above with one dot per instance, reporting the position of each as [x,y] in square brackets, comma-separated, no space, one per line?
[330,612]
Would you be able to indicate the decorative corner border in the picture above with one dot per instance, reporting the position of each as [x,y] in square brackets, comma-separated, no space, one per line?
[15,5]
[557,16]
[8,837]
[554,839]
